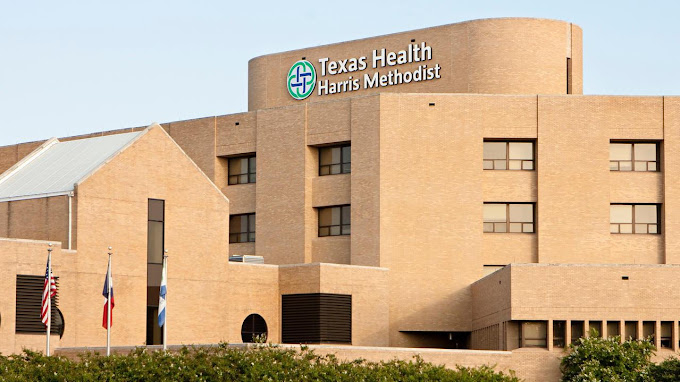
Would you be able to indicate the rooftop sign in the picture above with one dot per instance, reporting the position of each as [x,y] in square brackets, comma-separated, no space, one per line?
[302,78]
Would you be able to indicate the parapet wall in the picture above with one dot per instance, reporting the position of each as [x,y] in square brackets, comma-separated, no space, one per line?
[492,56]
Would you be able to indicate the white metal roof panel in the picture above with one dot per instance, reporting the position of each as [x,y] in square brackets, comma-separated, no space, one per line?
[56,169]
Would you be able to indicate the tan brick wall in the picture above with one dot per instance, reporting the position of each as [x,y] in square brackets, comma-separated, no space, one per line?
[491,56]
[37,219]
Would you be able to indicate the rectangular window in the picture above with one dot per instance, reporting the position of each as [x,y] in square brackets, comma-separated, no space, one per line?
[649,331]
[509,217]
[242,170]
[666,334]
[154,259]
[639,156]
[559,330]
[242,228]
[533,334]
[335,160]
[631,330]
[508,155]
[597,326]
[635,218]
[613,329]
[334,221]
[576,331]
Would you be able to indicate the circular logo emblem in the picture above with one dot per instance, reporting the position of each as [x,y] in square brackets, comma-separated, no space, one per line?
[301,79]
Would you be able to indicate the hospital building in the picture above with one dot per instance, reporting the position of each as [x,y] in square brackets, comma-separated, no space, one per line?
[442,188]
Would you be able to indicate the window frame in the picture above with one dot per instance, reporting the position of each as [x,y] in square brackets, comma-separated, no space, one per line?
[250,174]
[507,155]
[235,237]
[632,156]
[342,224]
[345,163]
[530,342]
[507,218]
[633,223]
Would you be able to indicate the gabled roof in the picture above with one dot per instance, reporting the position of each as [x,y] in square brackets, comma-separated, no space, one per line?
[55,167]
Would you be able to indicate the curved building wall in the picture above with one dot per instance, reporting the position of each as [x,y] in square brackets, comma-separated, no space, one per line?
[492,56]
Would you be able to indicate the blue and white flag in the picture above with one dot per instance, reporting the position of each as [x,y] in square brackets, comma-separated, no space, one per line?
[161,296]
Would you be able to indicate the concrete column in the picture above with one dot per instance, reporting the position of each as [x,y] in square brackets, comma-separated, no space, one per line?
[657,334]
[586,328]
[549,338]
[674,338]
[622,330]
[567,333]
[604,329]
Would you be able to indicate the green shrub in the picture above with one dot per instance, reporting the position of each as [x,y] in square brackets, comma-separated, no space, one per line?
[666,371]
[223,363]
[606,359]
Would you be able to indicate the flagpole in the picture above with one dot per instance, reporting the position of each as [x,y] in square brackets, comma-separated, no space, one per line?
[49,297]
[165,324]
[108,306]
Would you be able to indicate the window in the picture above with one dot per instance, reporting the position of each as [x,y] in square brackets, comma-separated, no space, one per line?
[29,290]
[613,329]
[559,330]
[597,326]
[254,328]
[626,156]
[508,155]
[509,217]
[666,334]
[155,246]
[634,218]
[576,331]
[242,228]
[242,170]
[631,330]
[533,334]
[335,160]
[649,331]
[334,221]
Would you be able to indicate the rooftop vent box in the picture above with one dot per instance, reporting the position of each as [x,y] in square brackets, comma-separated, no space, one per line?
[247,259]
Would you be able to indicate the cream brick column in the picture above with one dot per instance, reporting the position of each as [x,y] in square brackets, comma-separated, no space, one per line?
[549,338]
[639,330]
[657,334]
[604,333]
[674,338]
[586,328]
[567,333]
[622,330]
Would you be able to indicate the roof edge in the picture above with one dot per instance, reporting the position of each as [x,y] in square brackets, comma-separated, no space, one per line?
[107,160]
[192,161]
[28,159]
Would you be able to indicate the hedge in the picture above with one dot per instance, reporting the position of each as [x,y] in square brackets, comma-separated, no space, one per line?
[224,363]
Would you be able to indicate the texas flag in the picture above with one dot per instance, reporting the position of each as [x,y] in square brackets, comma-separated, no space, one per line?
[108,286]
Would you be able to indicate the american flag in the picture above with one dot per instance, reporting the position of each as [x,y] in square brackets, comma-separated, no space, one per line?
[49,290]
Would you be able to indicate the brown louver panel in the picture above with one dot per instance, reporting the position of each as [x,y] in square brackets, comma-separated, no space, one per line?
[316,318]
[29,303]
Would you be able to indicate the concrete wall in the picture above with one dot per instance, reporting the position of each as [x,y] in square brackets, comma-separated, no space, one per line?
[491,56]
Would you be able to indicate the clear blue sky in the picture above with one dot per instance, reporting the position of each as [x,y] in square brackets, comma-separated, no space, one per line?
[73,67]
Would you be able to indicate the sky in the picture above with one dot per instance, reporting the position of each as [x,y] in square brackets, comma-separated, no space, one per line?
[75,67]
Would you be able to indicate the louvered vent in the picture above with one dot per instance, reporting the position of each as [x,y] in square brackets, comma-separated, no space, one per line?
[317,318]
[29,303]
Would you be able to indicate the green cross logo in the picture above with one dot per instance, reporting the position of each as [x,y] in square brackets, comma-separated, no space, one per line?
[301,79]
